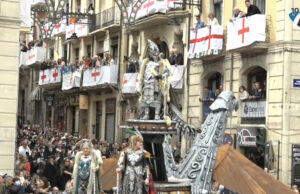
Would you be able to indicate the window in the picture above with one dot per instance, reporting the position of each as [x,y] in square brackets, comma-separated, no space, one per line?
[78,5]
[218,10]
[101,47]
[88,50]
[51,53]
[99,120]
[76,53]
[110,120]
[65,51]
[261,4]
[114,48]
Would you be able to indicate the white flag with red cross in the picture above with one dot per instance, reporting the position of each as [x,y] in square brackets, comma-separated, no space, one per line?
[130,83]
[71,80]
[206,41]
[150,7]
[245,31]
[55,75]
[44,77]
[100,75]
[60,27]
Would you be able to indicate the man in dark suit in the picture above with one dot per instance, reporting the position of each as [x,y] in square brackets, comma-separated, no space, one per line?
[252,9]
[178,57]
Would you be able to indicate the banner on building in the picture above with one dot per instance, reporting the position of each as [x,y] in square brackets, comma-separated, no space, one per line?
[245,31]
[55,75]
[206,41]
[130,83]
[177,76]
[101,75]
[35,55]
[81,29]
[71,80]
[253,109]
[44,77]
[23,58]
[60,27]
[151,7]
[83,102]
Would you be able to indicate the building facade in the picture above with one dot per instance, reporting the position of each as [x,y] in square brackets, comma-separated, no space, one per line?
[273,121]
[9,48]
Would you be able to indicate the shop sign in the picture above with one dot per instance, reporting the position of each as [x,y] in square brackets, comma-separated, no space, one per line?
[228,139]
[295,164]
[246,137]
[253,109]
[83,102]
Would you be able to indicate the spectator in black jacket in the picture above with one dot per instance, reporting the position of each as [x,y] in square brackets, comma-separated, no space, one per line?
[178,57]
[52,171]
[252,9]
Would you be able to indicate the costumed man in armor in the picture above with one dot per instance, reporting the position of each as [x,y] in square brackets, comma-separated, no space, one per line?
[133,163]
[86,173]
[154,83]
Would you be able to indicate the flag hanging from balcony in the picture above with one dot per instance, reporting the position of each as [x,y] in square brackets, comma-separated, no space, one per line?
[206,41]
[177,76]
[60,27]
[44,77]
[71,80]
[55,75]
[150,7]
[245,31]
[35,55]
[100,75]
[130,83]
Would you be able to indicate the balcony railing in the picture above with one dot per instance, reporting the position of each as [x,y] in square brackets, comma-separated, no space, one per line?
[106,18]
[253,112]
[50,76]
[98,76]
[36,55]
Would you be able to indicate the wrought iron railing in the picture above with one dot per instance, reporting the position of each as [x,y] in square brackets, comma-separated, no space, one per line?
[106,18]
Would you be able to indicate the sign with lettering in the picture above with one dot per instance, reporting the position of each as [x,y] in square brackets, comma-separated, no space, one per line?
[246,137]
[296,83]
[295,165]
[253,109]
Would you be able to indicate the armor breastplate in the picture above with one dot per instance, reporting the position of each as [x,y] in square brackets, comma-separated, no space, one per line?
[148,76]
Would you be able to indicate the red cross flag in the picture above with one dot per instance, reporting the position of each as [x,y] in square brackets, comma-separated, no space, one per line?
[55,75]
[206,41]
[245,31]
[129,85]
[71,80]
[44,77]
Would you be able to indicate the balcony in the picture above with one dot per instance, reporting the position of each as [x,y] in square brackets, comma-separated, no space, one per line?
[100,77]
[109,18]
[130,84]
[253,112]
[81,29]
[249,35]
[50,78]
[33,57]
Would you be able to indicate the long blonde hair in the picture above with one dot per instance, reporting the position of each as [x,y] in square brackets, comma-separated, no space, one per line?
[133,140]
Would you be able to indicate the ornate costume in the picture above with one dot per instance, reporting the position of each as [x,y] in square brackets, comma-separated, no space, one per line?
[135,170]
[84,179]
[154,81]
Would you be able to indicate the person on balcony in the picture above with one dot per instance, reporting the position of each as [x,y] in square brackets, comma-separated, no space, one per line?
[171,58]
[237,13]
[91,9]
[257,93]
[108,59]
[251,9]
[243,94]
[209,95]
[212,20]
[200,24]
[178,57]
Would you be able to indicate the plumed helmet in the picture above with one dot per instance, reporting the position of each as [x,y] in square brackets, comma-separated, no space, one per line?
[153,49]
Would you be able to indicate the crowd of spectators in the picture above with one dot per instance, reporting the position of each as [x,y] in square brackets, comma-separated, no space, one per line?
[85,63]
[45,158]
[257,93]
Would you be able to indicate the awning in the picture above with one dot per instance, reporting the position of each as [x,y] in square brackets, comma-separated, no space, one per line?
[237,173]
